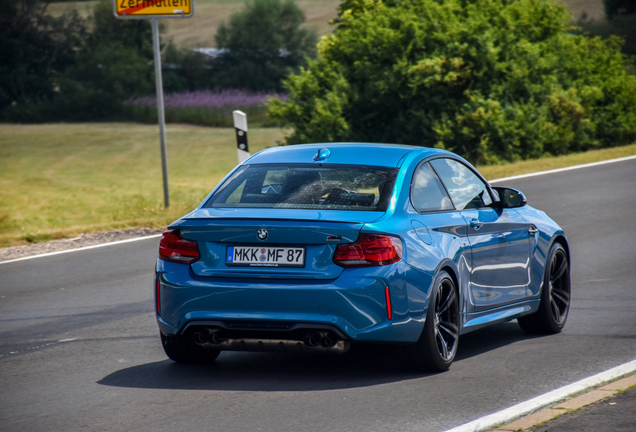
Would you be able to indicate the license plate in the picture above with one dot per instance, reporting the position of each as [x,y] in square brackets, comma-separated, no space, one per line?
[254,256]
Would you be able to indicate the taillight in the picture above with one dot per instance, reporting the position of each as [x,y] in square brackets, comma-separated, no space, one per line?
[175,248]
[368,251]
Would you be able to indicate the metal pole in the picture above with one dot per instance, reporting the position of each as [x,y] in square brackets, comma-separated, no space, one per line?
[162,119]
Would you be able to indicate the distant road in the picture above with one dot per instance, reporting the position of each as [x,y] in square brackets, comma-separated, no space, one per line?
[79,346]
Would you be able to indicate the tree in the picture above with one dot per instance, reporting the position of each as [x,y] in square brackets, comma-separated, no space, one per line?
[55,69]
[616,8]
[113,65]
[185,70]
[263,43]
[489,79]
[101,79]
[106,30]
[34,49]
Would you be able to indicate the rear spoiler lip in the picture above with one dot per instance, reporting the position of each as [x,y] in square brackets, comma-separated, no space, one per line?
[269,214]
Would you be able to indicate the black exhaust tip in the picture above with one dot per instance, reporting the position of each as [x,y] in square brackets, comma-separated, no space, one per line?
[199,339]
[216,337]
[328,341]
[311,340]
[213,337]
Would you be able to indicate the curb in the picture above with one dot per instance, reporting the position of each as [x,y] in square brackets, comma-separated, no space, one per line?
[561,408]
[493,422]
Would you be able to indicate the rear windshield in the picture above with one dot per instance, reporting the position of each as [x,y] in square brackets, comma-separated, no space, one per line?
[302,186]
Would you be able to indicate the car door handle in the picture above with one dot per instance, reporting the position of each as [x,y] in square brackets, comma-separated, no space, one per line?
[476,223]
[532,230]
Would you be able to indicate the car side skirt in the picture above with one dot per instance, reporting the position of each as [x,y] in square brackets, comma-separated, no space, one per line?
[476,321]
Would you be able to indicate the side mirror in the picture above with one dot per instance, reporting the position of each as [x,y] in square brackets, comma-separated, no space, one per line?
[511,198]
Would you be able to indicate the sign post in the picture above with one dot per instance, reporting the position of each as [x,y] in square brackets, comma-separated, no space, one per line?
[240,127]
[160,111]
[155,10]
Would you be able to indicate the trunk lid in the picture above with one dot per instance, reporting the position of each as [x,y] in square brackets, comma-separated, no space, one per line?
[225,239]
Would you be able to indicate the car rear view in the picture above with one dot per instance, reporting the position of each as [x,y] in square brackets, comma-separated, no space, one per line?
[280,257]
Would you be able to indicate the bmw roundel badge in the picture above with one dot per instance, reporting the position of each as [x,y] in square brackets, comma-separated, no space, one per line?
[262,234]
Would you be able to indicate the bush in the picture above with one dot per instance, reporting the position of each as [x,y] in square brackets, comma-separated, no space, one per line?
[622,26]
[490,79]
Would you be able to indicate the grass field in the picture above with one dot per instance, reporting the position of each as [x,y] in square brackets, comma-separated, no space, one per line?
[59,180]
[199,30]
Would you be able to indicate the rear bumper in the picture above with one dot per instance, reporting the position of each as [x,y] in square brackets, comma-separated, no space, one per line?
[354,304]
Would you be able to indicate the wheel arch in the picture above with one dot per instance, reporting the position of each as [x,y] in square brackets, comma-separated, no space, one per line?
[452,272]
[563,242]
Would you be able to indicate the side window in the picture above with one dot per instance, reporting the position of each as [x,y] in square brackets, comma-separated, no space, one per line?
[427,192]
[466,189]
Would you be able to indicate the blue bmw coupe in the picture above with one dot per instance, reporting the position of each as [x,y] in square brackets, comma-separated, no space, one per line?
[315,247]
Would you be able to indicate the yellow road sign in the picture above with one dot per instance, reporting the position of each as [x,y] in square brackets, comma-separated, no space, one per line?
[136,9]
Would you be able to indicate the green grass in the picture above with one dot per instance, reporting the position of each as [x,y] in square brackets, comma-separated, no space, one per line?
[59,180]
[493,172]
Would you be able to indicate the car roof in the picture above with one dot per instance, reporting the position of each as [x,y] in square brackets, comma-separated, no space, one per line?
[389,155]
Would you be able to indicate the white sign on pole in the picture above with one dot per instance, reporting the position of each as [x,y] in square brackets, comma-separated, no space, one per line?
[240,126]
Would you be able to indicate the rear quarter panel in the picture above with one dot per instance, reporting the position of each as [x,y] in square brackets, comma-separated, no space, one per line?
[549,231]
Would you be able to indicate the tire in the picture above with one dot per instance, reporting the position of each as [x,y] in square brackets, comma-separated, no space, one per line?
[184,350]
[555,296]
[436,348]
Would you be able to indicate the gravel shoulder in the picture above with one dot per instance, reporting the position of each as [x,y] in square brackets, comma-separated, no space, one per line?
[83,240]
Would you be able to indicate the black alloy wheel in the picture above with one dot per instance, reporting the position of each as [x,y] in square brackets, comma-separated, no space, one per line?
[446,320]
[559,284]
[555,296]
[437,346]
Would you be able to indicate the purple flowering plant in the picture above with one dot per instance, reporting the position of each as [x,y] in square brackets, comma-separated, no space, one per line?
[226,98]
[205,107]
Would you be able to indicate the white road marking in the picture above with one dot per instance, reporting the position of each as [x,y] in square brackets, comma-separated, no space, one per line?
[564,169]
[82,248]
[159,235]
[43,345]
[519,410]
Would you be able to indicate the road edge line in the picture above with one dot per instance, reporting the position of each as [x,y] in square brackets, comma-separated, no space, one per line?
[82,248]
[540,173]
[506,415]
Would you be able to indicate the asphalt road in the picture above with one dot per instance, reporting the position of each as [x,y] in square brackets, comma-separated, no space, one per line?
[79,347]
